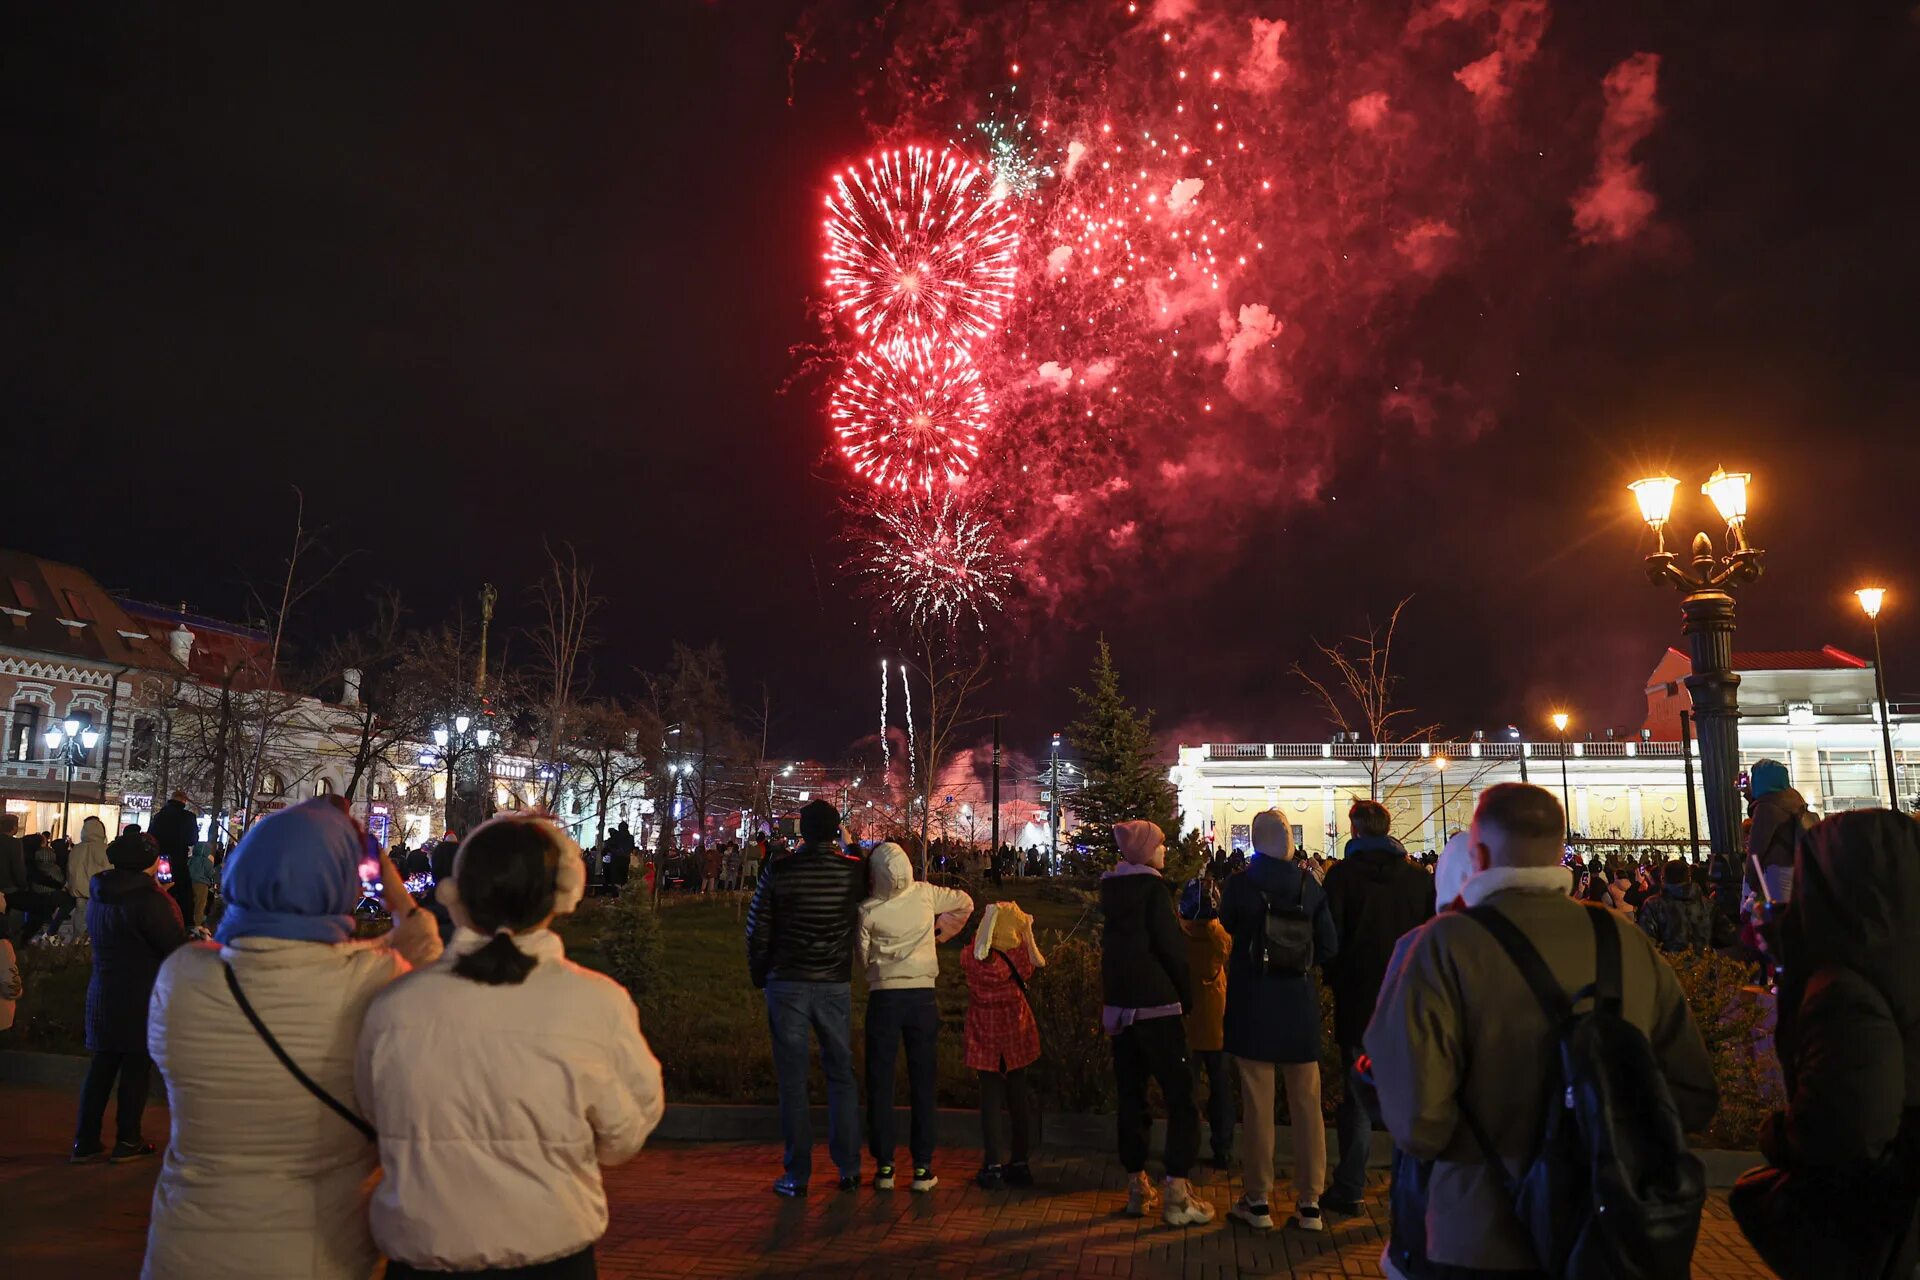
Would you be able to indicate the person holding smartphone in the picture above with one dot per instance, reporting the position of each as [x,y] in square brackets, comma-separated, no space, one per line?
[270,1163]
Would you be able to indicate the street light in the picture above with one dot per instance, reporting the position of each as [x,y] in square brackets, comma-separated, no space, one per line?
[452,744]
[70,741]
[1706,583]
[1440,769]
[1871,598]
[1560,722]
[1513,731]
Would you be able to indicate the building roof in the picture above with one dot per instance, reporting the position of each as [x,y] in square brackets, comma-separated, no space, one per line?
[222,653]
[56,609]
[1825,658]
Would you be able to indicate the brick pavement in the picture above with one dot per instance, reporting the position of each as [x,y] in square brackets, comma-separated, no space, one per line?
[704,1210]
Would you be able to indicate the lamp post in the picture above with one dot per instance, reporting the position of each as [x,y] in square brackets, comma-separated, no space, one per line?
[1053,807]
[1566,793]
[1871,598]
[449,745]
[1513,732]
[1706,584]
[1440,776]
[71,742]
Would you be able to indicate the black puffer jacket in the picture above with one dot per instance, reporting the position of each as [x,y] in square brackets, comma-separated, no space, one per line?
[801,925]
[134,925]
[174,829]
[1143,954]
[1375,895]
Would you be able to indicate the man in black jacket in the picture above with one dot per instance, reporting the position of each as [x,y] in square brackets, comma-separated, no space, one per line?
[1375,894]
[174,829]
[800,933]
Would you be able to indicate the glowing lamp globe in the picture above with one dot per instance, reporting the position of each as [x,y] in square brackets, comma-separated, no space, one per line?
[1655,496]
[1728,490]
[1560,722]
[54,737]
[1871,598]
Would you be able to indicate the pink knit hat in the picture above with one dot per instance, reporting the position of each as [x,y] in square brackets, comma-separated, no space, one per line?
[1139,840]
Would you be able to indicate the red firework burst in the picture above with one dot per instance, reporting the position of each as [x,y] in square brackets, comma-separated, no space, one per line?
[910,417]
[921,250]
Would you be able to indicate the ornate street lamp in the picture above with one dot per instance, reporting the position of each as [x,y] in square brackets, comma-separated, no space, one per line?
[450,745]
[70,742]
[1706,583]
[1871,598]
[1566,794]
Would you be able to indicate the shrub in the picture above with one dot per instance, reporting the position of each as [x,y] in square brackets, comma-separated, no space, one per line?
[629,944]
[52,1014]
[1075,1071]
[1737,1022]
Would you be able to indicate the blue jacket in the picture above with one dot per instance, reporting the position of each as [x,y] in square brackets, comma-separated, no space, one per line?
[1273,1019]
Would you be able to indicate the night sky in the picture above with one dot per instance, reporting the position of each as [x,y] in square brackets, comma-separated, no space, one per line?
[474,275]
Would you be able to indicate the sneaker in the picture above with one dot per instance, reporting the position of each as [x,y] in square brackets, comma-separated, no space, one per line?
[1256,1216]
[1018,1174]
[1140,1195]
[1182,1207]
[1307,1217]
[849,1182]
[923,1179]
[1341,1206]
[86,1155]
[883,1178]
[990,1178]
[125,1151]
[789,1188]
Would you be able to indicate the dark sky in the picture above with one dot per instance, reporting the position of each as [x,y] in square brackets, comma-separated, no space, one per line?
[477,275]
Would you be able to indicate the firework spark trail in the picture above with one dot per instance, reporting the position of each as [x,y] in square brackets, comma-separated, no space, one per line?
[921,250]
[910,417]
[935,562]
[886,747]
[906,686]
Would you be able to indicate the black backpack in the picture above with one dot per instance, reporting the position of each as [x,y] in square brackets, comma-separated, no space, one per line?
[1284,948]
[1613,1193]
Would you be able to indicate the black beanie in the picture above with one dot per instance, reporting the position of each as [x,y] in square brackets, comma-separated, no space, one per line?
[1676,872]
[819,821]
[135,852]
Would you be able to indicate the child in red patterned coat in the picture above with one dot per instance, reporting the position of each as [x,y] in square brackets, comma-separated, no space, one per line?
[1002,1039]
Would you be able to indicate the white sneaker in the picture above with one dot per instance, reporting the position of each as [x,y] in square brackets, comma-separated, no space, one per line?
[883,1178]
[1183,1208]
[1257,1216]
[1306,1217]
[1140,1195]
[923,1180]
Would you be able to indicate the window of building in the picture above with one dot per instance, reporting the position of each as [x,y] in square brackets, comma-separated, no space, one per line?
[1849,779]
[23,595]
[272,784]
[142,743]
[77,606]
[23,736]
[323,786]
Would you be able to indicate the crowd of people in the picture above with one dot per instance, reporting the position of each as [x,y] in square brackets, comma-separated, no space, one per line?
[490,1080]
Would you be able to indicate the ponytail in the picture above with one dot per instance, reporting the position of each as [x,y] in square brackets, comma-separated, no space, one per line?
[497,964]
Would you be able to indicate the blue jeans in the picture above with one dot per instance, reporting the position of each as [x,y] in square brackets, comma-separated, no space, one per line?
[1355,1128]
[911,1015]
[825,1008]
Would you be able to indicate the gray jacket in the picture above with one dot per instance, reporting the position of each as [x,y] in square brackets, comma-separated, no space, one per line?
[1456,1022]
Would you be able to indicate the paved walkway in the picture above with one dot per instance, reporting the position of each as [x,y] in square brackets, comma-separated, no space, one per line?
[704,1210]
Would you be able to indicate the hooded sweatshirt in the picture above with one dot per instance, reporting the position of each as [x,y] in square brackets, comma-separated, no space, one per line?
[88,859]
[899,922]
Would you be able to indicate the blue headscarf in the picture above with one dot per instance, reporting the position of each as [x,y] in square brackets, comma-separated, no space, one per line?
[1767,777]
[295,875]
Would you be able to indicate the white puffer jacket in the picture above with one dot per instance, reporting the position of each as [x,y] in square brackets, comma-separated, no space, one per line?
[260,1178]
[901,921]
[497,1105]
[86,860]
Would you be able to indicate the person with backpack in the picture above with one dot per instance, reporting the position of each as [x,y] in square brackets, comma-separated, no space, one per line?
[899,927]
[1282,929]
[268,1172]
[502,1079]
[1679,917]
[1473,1072]
[1146,991]
[1375,895]
[1001,1037]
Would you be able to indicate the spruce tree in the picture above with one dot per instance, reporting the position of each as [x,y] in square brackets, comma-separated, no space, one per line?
[1124,780]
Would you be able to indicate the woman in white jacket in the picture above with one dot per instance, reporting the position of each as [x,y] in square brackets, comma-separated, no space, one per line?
[85,861]
[262,1178]
[899,925]
[504,1077]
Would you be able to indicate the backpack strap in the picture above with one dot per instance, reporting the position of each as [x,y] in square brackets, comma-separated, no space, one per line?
[1607,990]
[307,1082]
[1539,978]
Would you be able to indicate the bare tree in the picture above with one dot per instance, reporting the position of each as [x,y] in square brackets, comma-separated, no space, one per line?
[561,639]
[951,676]
[390,709]
[603,749]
